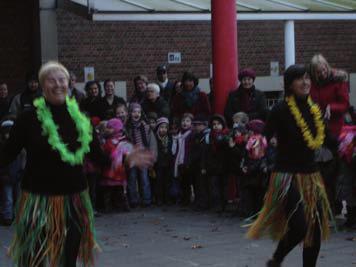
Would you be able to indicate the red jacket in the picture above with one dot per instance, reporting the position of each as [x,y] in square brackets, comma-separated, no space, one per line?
[335,94]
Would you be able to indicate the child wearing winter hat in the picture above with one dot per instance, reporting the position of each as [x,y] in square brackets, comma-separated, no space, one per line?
[141,135]
[164,161]
[181,187]
[254,169]
[217,161]
[114,180]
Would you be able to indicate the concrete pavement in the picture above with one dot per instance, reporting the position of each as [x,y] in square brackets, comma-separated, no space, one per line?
[175,237]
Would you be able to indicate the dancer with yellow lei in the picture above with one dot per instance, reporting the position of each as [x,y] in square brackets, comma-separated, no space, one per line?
[54,220]
[296,208]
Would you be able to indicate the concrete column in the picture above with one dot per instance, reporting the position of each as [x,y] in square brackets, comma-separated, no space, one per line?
[224,45]
[289,43]
[48,30]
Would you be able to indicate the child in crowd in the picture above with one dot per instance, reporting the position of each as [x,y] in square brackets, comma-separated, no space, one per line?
[152,120]
[164,161]
[237,145]
[198,162]
[181,185]
[240,118]
[217,166]
[174,126]
[254,170]
[141,135]
[10,177]
[114,180]
[122,112]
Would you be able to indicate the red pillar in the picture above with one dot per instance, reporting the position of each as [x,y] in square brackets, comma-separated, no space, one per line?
[224,44]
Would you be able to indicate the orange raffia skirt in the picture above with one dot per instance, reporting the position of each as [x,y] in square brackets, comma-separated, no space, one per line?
[41,226]
[273,220]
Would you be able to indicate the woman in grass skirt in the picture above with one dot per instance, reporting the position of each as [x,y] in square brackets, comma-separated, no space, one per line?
[54,221]
[296,208]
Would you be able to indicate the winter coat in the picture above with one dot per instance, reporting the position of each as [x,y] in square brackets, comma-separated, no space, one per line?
[335,92]
[257,108]
[179,107]
[160,107]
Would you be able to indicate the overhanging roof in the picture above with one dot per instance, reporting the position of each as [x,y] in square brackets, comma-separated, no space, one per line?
[201,9]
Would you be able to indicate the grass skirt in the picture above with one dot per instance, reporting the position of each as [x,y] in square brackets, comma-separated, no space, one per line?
[41,226]
[273,220]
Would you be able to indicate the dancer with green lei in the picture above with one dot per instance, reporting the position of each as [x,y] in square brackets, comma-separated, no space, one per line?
[296,208]
[54,223]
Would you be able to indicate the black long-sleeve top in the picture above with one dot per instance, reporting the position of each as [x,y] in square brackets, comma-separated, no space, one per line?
[293,155]
[45,172]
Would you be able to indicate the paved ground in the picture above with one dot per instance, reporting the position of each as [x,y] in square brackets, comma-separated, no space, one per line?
[157,237]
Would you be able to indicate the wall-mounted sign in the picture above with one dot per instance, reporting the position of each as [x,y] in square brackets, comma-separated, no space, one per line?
[174,57]
[274,68]
[89,74]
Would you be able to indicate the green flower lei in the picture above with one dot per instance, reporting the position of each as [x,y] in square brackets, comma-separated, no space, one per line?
[50,129]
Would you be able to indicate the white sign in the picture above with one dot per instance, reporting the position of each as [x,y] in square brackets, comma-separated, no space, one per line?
[174,57]
[274,68]
[89,74]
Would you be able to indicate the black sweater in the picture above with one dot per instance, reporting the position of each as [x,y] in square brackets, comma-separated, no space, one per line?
[293,155]
[45,173]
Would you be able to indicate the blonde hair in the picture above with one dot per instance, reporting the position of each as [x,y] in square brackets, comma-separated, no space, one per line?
[49,67]
[242,116]
[316,61]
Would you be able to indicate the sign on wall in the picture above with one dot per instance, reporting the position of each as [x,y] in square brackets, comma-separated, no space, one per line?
[89,74]
[174,58]
[274,68]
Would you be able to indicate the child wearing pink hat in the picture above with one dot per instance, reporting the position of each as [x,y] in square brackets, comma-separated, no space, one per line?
[114,181]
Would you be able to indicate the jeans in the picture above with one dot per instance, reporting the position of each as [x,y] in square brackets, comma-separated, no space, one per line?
[138,179]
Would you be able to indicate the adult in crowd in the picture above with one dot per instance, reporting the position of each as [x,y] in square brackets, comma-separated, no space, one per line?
[24,101]
[54,222]
[246,98]
[4,100]
[91,105]
[140,83]
[191,99]
[331,91]
[296,207]
[166,86]
[110,101]
[154,102]
[73,91]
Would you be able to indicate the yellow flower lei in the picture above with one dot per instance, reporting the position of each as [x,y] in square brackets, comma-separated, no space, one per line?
[311,141]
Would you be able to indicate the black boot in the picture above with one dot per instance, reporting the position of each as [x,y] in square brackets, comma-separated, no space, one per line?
[351,217]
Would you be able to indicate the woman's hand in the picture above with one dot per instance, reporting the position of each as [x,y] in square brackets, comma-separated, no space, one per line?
[140,157]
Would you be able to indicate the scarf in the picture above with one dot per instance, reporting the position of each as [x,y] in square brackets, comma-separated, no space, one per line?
[164,141]
[191,97]
[178,147]
[139,133]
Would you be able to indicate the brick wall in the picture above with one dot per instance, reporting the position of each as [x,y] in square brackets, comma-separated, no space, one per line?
[121,50]
[19,50]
